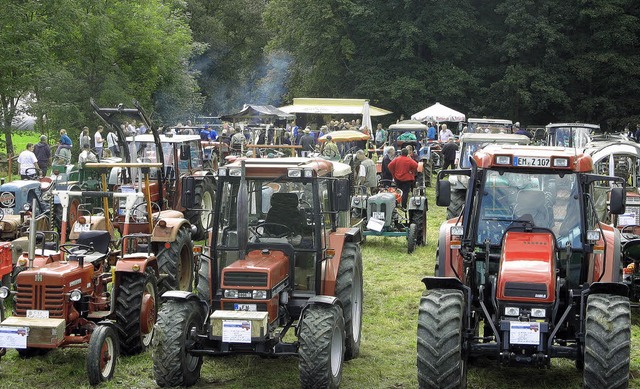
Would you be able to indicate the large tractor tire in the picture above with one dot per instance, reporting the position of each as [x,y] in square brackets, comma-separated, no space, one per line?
[350,292]
[419,218]
[205,194]
[412,238]
[458,197]
[607,341]
[177,262]
[322,344]
[172,363]
[441,363]
[204,287]
[102,354]
[136,311]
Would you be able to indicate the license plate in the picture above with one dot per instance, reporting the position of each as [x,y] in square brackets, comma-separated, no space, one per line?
[378,215]
[81,227]
[532,161]
[245,307]
[523,332]
[37,314]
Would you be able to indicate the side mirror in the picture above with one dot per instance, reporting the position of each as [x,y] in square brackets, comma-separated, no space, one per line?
[341,195]
[443,193]
[617,201]
[185,152]
[188,192]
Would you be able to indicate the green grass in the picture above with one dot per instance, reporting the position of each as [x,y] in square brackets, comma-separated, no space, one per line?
[388,353]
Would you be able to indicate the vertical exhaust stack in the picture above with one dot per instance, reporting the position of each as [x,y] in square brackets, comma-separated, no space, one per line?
[241,213]
[32,235]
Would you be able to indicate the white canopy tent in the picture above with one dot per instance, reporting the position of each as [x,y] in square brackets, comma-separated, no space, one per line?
[325,106]
[438,113]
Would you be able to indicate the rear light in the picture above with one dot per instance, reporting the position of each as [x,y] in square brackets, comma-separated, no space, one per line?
[294,173]
[561,162]
[22,262]
[162,223]
[593,235]
[457,230]
[512,311]
[82,220]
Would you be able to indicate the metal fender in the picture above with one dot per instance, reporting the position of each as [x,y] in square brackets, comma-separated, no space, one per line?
[615,288]
[330,265]
[183,295]
[317,300]
[444,283]
[612,252]
[136,263]
[446,255]
[166,229]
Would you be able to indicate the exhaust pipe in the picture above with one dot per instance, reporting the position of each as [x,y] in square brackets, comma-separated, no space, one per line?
[32,235]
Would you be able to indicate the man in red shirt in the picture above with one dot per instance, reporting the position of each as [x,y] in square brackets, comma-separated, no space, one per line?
[403,169]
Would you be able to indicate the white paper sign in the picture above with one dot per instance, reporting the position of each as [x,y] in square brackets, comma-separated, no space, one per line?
[13,337]
[236,331]
[627,219]
[524,332]
[375,224]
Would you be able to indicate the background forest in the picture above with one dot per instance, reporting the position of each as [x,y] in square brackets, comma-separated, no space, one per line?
[533,61]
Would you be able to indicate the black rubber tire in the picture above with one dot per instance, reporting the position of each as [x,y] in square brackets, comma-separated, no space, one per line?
[172,365]
[102,354]
[411,237]
[129,304]
[177,262]
[321,330]
[440,359]
[204,287]
[6,280]
[204,198]
[420,219]
[607,341]
[458,197]
[349,289]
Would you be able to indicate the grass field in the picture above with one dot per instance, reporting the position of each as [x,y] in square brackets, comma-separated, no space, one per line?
[388,353]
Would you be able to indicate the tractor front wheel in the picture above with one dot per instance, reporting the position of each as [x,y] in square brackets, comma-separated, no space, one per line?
[204,196]
[411,237]
[322,344]
[607,341]
[136,310]
[204,290]
[177,262]
[441,363]
[458,197]
[349,291]
[102,354]
[173,365]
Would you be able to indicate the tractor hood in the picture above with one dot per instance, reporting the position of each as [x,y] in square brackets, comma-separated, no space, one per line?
[527,267]
[262,269]
[60,273]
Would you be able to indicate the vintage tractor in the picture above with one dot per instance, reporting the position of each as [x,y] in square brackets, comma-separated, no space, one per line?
[381,215]
[527,273]
[282,258]
[84,296]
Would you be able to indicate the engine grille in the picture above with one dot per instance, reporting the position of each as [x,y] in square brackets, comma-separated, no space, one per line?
[245,279]
[42,297]
[525,289]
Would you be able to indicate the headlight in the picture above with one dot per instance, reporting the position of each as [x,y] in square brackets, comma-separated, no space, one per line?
[235,172]
[294,173]
[260,294]
[75,295]
[26,207]
[417,201]
[308,173]
[4,293]
[512,311]
[356,201]
[457,230]
[503,160]
[593,235]
[538,312]
[561,162]
[222,172]
[231,293]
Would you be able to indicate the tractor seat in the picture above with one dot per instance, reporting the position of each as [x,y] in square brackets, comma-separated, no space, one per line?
[167,213]
[45,183]
[99,240]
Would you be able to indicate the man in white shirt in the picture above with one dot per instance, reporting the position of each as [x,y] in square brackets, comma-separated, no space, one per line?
[112,144]
[86,155]
[99,142]
[28,162]
[445,134]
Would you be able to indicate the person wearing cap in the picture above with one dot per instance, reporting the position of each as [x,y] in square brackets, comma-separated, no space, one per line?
[330,148]
[204,132]
[308,142]
[224,137]
[43,154]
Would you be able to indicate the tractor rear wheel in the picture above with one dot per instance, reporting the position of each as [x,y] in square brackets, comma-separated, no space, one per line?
[204,291]
[177,262]
[411,237]
[441,363]
[102,354]
[204,197]
[136,311]
[321,351]
[173,365]
[458,197]
[349,291]
[607,341]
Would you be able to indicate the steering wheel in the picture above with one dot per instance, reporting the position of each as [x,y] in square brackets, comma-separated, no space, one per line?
[72,248]
[31,172]
[139,212]
[627,232]
[288,231]
[330,153]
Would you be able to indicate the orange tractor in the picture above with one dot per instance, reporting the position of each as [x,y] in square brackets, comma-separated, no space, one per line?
[282,257]
[527,273]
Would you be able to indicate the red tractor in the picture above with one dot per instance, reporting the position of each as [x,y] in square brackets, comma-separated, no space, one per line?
[86,294]
[282,258]
[527,272]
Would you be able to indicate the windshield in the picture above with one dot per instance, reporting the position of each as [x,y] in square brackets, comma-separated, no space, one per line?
[543,200]
[489,127]
[569,136]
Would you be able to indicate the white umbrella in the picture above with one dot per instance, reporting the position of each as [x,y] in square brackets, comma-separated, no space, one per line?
[366,116]
[438,113]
